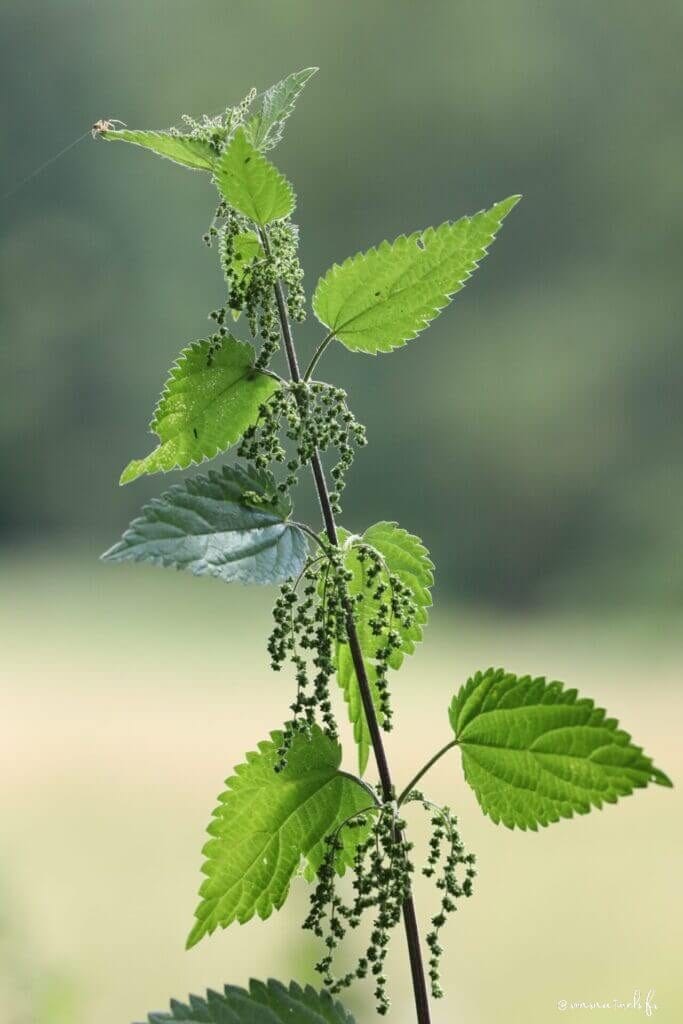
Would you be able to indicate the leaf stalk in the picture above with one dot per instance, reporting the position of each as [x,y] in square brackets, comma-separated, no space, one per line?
[425,768]
[317,355]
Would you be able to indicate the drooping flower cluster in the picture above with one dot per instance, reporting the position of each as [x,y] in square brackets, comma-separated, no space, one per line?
[382,874]
[381,882]
[307,627]
[387,604]
[251,272]
[454,872]
[314,417]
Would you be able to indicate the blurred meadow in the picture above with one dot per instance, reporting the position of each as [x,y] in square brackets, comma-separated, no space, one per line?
[532,438]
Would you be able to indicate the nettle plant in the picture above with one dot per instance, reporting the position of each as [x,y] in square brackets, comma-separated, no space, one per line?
[350,607]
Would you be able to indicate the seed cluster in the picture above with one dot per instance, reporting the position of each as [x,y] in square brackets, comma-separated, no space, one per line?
[381,882]
[315,417]
[250,277]
[444,864]
[284,245]
[251,274]
[387,604]
[307,626]
[382,873]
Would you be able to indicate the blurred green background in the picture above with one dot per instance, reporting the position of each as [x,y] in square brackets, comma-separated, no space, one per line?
[532,438]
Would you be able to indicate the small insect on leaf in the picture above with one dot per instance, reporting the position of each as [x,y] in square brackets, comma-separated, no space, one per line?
[106,125]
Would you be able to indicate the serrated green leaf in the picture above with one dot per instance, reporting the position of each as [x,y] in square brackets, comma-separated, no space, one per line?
[205,526]
[534,752]
[268,823]
[406,556]
[251,184]
[212,395]
[193,153]
[265,129]
[268,1002]
[380,299]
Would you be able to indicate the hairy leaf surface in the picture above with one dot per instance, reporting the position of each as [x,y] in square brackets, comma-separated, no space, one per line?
[406,556]
[265,129]
[268,1002]
[268,824]
[194,153]
[380,299]
[212,395]
[534,752]
[251,184]
[204,525]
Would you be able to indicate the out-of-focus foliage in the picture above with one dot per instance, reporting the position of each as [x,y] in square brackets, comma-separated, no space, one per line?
[548,428]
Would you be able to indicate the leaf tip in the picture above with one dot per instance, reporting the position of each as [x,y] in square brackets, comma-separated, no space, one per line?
[507,205]
[661,778]
[195,935]
[110,554]
[131,472]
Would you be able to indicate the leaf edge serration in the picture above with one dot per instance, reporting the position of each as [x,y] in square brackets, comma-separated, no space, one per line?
[279,510]
[318,1006]
[417,237]
[263,908]
[135,468]
[557,693]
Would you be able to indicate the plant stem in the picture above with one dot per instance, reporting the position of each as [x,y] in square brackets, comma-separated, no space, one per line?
[425,768]
[409,916]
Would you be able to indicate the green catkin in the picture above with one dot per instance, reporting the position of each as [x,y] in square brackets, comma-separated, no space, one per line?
[391,603]
[382,875]
[309,625]
[250,286]
[309,616]
[454,873]
[382,878]
[313,417]
[284,244]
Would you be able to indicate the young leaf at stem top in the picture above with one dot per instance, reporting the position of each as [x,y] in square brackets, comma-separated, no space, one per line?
[265,1003]
[193,153]
[380,299]
[534,752]
[210,526]
[252,185]
[212,395]
[265,129]
[268,822]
